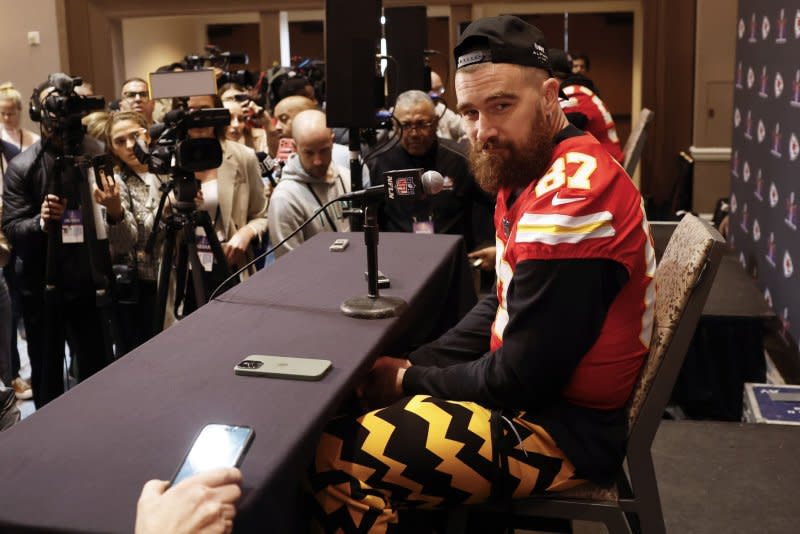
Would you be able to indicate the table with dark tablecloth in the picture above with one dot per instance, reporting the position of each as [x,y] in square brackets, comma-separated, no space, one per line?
[79,463]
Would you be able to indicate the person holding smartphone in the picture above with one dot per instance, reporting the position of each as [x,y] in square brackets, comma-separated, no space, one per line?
[202,503]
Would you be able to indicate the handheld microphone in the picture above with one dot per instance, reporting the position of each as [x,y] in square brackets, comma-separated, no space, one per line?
[267,165]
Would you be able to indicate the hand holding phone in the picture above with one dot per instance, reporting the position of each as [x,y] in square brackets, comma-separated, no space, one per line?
[214,447]
[183,508]
[286,147]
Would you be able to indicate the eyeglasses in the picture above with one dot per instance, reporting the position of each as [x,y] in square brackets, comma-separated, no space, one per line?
[418,126]
[131,95]
[122,140]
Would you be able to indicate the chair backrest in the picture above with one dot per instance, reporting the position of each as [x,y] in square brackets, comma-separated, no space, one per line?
[635,143]
[683,280]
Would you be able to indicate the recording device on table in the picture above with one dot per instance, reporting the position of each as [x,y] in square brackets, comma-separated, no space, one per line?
[180,156]
[283,367]
[216,446]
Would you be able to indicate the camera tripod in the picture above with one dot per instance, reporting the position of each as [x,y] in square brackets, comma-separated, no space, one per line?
[70,180]
[180,238]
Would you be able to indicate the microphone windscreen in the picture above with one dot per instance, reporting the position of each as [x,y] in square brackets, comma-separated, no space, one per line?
[261,156]
[173,116]
[432,182]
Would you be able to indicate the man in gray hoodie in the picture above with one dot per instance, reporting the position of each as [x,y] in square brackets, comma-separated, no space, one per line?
[309,180]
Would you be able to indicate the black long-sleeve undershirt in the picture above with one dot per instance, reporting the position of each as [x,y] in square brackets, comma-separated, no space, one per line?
[556,310]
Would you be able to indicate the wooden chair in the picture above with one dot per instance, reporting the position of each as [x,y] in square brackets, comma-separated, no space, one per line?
[635,143]
[683,280]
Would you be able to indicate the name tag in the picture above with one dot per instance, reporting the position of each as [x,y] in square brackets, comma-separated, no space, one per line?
[72,227]
[204,250]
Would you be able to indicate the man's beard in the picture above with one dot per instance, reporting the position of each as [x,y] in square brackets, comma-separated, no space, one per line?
[517,169]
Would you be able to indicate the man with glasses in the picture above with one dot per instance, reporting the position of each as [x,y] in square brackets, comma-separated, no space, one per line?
[461,208]
[136,97]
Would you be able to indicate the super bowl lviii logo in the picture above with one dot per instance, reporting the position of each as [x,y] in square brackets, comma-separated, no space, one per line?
[791,212]
[758,192]
[780,36]
[771,250]
[776,141]
[796,90]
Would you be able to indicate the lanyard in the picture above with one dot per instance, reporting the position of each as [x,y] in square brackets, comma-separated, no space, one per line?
[325,211]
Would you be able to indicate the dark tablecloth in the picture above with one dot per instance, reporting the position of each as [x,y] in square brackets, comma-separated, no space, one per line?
[79,463]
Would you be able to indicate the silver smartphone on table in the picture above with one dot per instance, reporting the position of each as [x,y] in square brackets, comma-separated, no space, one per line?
[283,367]
[215,446]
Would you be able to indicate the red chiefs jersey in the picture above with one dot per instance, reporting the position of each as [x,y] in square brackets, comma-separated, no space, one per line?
[585,206]
[599,121]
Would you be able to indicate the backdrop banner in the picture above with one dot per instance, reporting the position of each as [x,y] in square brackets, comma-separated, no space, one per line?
[765,170]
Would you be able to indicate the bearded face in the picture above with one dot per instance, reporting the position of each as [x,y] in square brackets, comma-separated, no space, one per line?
[500,163]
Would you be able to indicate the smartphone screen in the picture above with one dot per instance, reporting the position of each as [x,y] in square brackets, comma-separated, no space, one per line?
[216,446]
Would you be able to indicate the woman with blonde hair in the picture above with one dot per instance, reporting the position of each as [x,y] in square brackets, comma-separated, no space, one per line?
[16,139]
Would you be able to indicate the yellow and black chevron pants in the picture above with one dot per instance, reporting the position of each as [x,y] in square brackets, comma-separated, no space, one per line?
[423,452]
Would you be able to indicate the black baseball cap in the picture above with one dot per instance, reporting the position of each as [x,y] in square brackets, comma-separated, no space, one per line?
[503,39]
[560,62]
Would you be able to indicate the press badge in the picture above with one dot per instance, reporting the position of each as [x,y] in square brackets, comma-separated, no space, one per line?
[72,227]
[422,227]
[204,250]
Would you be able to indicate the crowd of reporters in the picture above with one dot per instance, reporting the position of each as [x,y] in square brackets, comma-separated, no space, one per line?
[280,163]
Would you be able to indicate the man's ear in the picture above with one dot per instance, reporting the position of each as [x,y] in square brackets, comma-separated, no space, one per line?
[550,94]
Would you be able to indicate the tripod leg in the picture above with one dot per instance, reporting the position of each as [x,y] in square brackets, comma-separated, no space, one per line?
[198,283]
[164,271]
[204,220]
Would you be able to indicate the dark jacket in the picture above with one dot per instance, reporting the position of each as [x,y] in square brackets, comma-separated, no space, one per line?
[462,208]
[21,220]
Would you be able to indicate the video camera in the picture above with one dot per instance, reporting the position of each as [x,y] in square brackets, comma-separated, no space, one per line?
[62,109]
[180,156]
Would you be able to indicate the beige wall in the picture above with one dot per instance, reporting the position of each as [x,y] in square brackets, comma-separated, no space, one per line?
[20,63]
[150,42]
[715,51]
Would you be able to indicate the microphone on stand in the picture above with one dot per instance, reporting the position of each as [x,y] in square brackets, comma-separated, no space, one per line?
[407,184]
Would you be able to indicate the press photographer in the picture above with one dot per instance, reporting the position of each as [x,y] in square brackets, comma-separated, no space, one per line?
[217,233]
[54,218]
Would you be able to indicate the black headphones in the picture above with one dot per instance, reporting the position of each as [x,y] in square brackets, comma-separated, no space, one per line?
[34,105]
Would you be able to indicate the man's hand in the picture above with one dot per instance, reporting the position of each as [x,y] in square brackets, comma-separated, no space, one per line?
[110,198]
[384,383]
[487,257]
[53,208]
[236,247]
[203,503]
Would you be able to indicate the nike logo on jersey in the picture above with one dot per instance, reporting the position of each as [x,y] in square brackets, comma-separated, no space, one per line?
[559,201]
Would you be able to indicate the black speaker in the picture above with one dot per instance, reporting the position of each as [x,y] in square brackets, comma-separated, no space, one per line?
[352,34]
[406,40]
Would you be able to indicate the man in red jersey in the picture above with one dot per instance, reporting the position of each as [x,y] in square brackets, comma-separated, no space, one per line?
[583,106]
[527,393]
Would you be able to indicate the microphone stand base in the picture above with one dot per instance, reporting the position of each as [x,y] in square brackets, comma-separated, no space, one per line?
[366,307]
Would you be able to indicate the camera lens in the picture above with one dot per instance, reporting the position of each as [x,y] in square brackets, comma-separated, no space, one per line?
[251,364]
